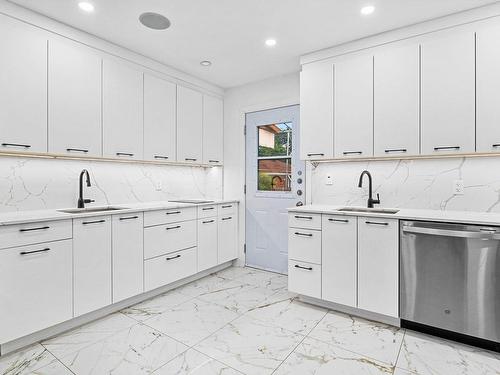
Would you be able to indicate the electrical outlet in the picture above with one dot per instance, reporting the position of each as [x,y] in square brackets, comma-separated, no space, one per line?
[458,187]
[329,180]
[158,186]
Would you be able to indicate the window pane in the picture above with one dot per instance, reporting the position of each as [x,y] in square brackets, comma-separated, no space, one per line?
[275,139]
[275,174]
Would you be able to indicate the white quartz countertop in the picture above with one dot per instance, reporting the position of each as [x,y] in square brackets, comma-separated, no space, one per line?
[468,217]
[22,217]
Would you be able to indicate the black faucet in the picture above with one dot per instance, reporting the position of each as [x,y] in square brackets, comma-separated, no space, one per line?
[371,201]
[81,201]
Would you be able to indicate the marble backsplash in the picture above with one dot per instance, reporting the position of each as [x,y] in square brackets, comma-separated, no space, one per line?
[420,183]
[32,184]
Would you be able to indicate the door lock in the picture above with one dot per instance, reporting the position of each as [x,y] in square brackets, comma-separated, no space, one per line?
[299,204]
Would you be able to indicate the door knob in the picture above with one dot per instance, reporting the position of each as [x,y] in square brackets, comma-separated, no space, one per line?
[299,204]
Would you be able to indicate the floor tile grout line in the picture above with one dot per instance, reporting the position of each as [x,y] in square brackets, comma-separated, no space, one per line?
[399,351]
[57,359]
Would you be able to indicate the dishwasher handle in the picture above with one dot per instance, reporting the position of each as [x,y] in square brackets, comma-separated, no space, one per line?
[451,233]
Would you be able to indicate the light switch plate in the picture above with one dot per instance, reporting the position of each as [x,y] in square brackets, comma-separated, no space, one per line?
[329,180]
[458,187]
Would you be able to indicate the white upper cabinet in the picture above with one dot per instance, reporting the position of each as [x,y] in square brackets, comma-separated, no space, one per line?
[316,111]
[122,111]
[213,122]
[189,125]
[396,101]
[74,100]
[159,119]
[354,106]
[23,87]
[488,89]
[448,93]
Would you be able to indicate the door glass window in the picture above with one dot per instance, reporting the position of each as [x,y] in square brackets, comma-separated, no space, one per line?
[275,157]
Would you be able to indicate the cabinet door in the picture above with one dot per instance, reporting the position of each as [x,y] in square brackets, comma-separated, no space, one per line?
[213,123]
[339,259]
[378,268]
[128,255]
[396,99]
[36,282]
[448,93]
[74,100]
[207,243]
[354,107]
[228,238]
[159,119]
[189,125]
[316,111]
[91,263]
[488,89]
[122,111]
[23,87]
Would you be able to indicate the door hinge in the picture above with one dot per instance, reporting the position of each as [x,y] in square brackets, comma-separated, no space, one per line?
[245,189]
[245,130]
[244,248]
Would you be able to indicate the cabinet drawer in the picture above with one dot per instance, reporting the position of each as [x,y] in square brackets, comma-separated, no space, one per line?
[166,269]
[304,278]
[36,288]
[25,234]
[207,211]
[169,216]
[165,239]
[304,220]
[227,209]
[304,245]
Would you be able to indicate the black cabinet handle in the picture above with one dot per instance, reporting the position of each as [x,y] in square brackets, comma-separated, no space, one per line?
[161,157]
[304,217]
[304,268]
[316,154]
[388,151]
[15,145]
[304,234]
[172,213]
[208,221]
[176,227]
[124,154]
[375,223]
[190,159]
[226,218]
[94,222]
[129,218]
[228,206]
[33,229]
[34,251]
[352,152]
[447,148]
[208,208]
[339,220]
[214,161]
[177,256]
[496,145]
[77,150]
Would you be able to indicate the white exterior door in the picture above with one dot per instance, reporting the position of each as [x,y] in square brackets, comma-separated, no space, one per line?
[275,181]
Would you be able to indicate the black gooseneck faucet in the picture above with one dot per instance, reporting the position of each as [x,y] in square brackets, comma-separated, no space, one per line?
[81,201]
[371,201]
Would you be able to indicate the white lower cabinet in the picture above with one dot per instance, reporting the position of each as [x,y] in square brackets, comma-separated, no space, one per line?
[304,278]
[207,243]
[35,288]
[168,268]
[339,258]
[304,244]
[91,264]
[228,238]
[128,255]
[378,265]
[165,239]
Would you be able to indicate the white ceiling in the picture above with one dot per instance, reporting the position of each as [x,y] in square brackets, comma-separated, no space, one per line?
[231,33]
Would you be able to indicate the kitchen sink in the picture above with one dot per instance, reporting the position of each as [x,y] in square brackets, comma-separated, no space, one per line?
[370,210]
[91,209]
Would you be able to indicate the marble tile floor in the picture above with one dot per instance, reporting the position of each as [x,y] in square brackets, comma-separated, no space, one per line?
[243,321]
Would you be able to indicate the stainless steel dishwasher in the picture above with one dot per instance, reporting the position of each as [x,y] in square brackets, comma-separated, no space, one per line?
[450,278]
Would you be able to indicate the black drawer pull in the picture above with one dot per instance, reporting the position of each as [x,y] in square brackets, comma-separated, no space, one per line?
[34,251]
[176,227]
[33,229]
[208,208]
[227,206]
[304,234]
[129,218]
[172,213]
[304,268]
[446,148]
[352,152]
[339,220]
[304,217]
[316,154]
[94,222]
[161,157]
[190,159]
[15,145]
[124,154]
[214,161]
[77,150]
[208,221]
[496,145]
[388,151]
[227,218]
[375,223]
[177,256]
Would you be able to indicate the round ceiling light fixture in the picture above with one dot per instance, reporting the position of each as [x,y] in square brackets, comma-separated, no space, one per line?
[86,6]
[367,10]
[154,21]
[206,63]
[271,42]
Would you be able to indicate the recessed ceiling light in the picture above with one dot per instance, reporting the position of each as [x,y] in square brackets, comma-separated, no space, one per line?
[270,42]
[366,10]
[86,6]
[206,63]
[154,21]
